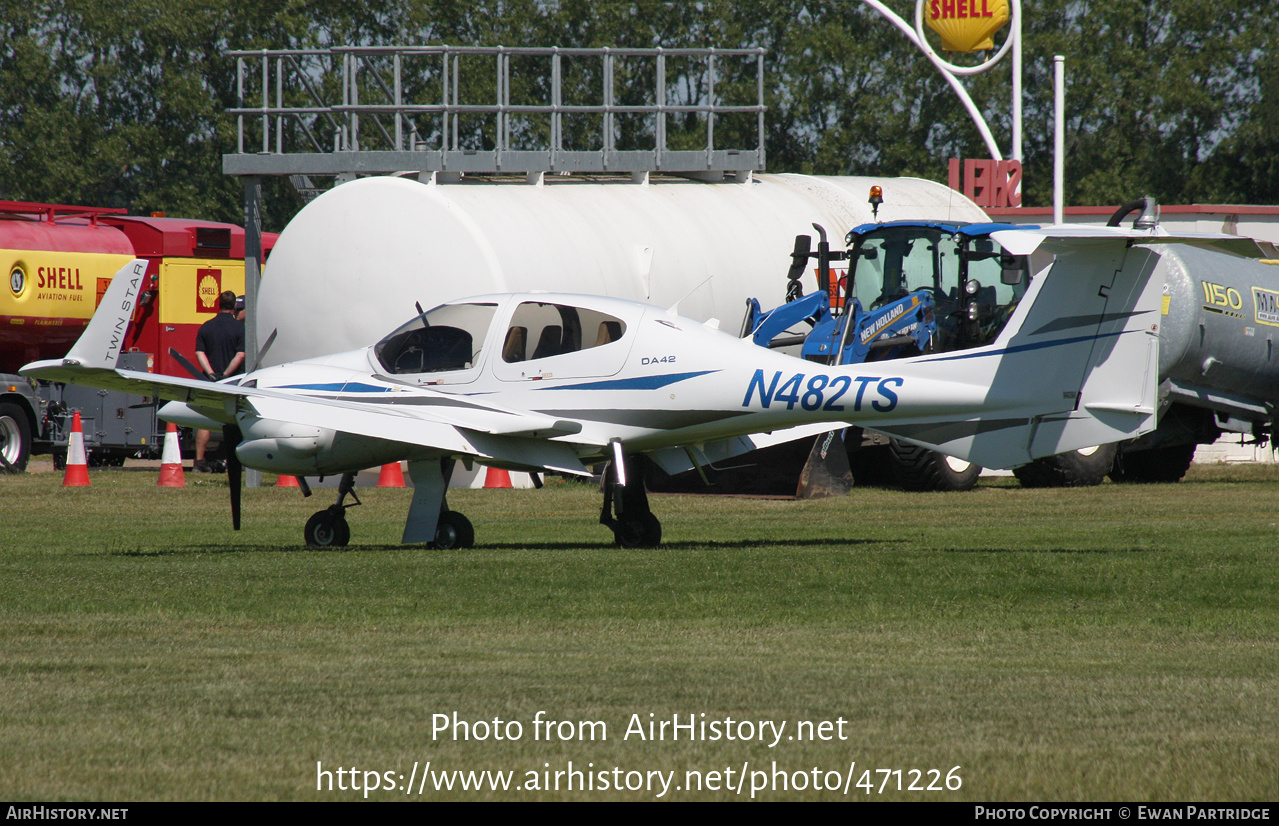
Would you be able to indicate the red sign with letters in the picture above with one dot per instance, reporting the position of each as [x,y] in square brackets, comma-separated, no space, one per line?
[988,183]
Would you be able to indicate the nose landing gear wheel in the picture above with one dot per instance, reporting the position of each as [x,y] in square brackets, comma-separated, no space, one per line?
[328,528]
[453,531]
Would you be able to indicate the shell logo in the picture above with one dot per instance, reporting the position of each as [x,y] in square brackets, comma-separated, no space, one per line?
[967,25]
[208,288]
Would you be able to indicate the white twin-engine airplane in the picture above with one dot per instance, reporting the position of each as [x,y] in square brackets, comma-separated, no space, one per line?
[555,382]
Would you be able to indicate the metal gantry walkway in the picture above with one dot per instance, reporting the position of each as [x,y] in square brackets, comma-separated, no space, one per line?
[444,111]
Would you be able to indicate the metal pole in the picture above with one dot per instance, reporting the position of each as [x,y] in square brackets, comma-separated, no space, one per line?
[607,143]
[759,99]
[279,105]
[239,103]
[1016,35]
[399,114]
[660,126]
[1059,137]
[710,112]
[557,124]
[266,104]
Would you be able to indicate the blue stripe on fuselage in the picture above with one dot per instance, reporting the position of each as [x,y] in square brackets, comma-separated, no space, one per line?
[1021,348]
[339,387]
[642,383]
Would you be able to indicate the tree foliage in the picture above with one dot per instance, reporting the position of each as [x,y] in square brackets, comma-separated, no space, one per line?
[125,104]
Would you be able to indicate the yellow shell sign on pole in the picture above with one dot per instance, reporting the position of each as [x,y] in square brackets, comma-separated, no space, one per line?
[967,25]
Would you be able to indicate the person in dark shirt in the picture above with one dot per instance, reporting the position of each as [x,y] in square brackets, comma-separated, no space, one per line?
[219,350]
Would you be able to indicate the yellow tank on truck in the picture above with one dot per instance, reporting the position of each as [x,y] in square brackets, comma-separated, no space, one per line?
[56,274]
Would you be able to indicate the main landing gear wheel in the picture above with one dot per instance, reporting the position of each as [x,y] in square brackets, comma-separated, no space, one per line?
[328,528]
[1162,464]
[453,531]
[643,531]
[626,512]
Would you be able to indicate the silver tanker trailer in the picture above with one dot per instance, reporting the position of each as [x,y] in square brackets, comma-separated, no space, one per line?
[1218,364]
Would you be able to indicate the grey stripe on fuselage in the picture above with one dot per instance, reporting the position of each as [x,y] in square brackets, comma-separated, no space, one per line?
[664,419]
[1076,321]
[940,434]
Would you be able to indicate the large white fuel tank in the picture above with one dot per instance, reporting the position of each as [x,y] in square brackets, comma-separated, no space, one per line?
[351,264]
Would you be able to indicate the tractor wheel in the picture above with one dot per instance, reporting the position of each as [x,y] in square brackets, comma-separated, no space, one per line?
[1162,464]
[1073,469]
[918,468]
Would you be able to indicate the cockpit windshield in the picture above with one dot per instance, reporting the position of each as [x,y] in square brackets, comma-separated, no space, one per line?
[447,338]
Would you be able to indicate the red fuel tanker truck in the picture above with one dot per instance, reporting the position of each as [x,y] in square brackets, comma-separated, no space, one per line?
[59,261]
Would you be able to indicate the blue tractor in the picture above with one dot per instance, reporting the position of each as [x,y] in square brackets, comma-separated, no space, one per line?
[909,287]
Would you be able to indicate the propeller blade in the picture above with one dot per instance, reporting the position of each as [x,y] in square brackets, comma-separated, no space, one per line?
[190,368]
[262,350]
[231,438]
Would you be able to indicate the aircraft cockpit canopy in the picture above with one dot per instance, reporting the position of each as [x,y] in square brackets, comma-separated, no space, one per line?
[540,330]
[450,337]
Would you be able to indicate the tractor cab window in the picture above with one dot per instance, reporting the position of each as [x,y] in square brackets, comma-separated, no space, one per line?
[993,269]
[539,331]
[993,282]
[891,265]
[448,338]
[975,284]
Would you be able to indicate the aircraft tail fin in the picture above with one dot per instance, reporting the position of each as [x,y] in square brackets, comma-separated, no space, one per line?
[1076,366]
[102,341]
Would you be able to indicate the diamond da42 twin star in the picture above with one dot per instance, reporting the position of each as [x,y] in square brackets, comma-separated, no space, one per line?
[548,382]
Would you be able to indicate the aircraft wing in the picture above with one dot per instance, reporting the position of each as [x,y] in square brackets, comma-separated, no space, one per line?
[420,428]
[483,431]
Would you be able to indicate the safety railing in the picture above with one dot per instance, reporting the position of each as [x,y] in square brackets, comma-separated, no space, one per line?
[498,110]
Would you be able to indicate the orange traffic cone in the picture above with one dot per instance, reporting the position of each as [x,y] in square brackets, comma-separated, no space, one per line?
[392,476]
[77,473]
[287,482]
[171,475]
[497,478]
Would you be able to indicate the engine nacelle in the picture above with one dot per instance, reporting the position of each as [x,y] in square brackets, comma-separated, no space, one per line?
[299,450]
[284,447]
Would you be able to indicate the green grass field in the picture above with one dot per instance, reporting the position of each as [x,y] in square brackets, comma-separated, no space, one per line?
[1114,643]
